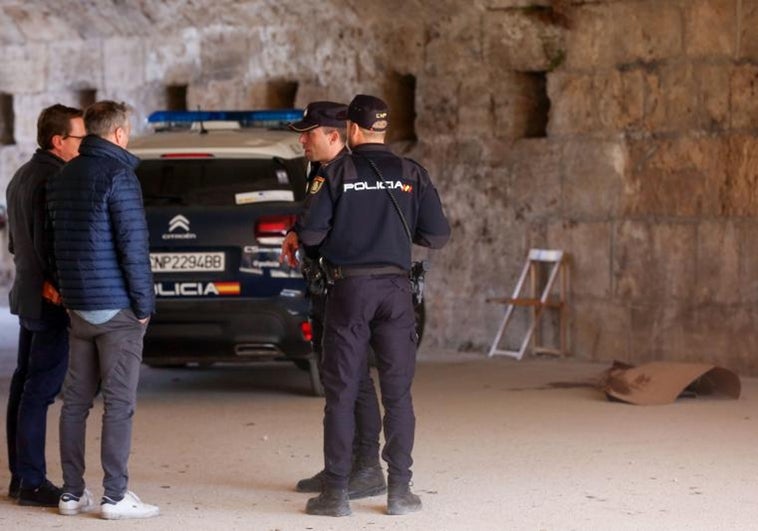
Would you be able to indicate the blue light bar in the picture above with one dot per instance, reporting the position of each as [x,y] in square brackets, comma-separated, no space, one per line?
[260,118]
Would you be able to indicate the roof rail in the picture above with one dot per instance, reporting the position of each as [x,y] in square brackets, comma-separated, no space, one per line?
[265,118]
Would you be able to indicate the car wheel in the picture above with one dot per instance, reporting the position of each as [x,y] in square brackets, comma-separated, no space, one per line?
[315,374]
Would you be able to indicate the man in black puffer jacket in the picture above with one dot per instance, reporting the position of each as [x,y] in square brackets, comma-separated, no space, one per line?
[103,265]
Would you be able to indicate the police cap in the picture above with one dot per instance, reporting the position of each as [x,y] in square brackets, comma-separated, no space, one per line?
[320,114]
[369,112]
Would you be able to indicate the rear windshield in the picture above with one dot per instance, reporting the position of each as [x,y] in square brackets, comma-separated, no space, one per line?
[217,182]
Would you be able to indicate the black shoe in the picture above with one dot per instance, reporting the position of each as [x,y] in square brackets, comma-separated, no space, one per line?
[13,488]
[311,484]
[400,500]
[331,502]
[46,495]
[365,482]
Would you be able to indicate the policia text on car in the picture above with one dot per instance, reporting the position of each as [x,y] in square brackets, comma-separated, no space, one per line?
[363,232]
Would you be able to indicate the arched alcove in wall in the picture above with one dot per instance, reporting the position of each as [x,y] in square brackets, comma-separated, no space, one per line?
[281,94]
[400,94]
[7,118]
[176,97]
[86,97]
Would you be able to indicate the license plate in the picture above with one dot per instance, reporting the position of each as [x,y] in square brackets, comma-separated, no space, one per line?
[187,262]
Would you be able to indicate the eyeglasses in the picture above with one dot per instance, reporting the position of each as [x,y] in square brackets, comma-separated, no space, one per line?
[73,136]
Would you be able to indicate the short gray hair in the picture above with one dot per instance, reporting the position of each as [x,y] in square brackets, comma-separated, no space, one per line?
[340,131]
[102,118]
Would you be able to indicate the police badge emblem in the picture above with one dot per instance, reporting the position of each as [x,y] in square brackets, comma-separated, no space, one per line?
[316,185]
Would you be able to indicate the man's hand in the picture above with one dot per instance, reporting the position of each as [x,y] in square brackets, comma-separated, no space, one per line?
[289,248]
[143,321]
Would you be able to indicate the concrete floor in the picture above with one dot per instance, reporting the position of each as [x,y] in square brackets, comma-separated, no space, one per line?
[497,448]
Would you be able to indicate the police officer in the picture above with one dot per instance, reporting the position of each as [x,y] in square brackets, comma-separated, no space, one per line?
[364,215]
[322,135]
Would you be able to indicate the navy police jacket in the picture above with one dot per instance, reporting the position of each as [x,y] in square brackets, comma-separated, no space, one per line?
[351,215]
[101,244]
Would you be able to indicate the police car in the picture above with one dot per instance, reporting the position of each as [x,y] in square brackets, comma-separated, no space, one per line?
[221,190]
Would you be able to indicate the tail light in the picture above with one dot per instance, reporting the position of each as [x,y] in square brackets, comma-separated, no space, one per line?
[273,226]
[306,330]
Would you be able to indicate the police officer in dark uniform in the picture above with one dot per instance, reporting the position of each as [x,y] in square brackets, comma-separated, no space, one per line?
[364,215]
[323,139]
[322,135]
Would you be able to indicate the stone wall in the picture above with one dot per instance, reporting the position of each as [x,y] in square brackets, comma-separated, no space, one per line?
[619,130]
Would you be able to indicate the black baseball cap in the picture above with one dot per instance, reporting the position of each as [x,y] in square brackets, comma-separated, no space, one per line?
[318,114]
[369,112]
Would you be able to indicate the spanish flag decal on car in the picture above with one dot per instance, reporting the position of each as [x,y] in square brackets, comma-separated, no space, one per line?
[227,288]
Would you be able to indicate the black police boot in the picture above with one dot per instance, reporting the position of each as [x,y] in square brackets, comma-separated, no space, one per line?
[400,500]
[366,481]
[311,484]
[331,502]
[46,495]
[14,487]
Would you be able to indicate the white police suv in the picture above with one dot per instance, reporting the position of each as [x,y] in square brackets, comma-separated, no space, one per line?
[221,189]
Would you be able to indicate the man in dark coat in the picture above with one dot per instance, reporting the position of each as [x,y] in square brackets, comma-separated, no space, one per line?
[43,338]
[102,261]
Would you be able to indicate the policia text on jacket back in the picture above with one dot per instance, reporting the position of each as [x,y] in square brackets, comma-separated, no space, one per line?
[364,210]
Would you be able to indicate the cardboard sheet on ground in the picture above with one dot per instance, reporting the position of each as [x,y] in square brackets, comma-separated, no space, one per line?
[662,382]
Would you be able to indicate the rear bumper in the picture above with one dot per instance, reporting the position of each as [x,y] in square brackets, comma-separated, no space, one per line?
[239,331]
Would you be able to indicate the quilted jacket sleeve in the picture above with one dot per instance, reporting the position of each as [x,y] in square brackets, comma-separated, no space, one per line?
[132,241]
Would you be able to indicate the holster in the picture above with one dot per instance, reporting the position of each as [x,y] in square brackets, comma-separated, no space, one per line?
[417,273]
[332,271]
[315,278]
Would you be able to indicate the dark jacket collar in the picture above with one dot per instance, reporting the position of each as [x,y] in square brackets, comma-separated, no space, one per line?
[370,147]
[42,156]
[342,152]
[315,166]
[94,146]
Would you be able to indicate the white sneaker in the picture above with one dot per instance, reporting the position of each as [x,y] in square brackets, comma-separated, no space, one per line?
[130,506]
[71,505]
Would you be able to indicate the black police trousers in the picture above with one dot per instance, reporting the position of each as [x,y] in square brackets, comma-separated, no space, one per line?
[368,419]
[363,311]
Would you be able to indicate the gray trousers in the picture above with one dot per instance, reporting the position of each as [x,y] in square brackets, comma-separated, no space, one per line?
[107,355]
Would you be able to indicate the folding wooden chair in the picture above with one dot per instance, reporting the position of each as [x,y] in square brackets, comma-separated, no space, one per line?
[554,260]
